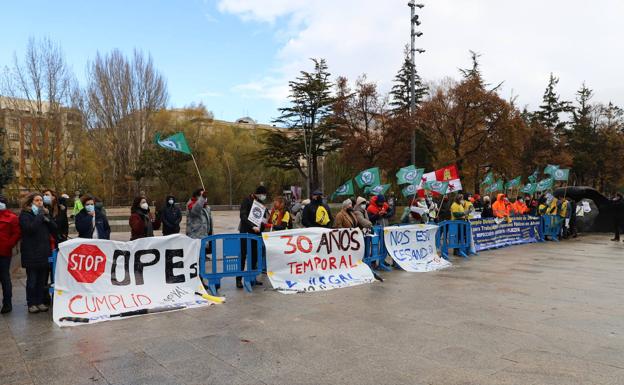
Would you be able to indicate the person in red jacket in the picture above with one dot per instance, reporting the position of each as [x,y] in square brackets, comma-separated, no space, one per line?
[10,234]
[379,210]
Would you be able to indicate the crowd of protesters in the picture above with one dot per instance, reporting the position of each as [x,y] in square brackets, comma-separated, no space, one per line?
[42,223]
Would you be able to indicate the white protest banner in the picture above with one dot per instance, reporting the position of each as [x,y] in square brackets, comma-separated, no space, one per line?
[98,280]
[256,214]
[413,247]
[315,259]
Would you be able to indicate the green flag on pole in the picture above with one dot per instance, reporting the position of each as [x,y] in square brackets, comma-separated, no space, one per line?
[529,188]
[498,186]
[437,186]
[513,183]
[545,184]
[176,142]
[533,177]
[368,177]
[409,190]
[489,178]
[379,189]
[561,174]
[410,174]
[550,169]
[345,189]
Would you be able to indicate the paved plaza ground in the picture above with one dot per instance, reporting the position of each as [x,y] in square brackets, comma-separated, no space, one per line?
[547,313]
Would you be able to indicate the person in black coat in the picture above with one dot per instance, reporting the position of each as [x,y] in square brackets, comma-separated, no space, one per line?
[487,208]
[311,212]
[170,216]
[617,206]
[38,230]
[246,226]
[91,222]
[58,213]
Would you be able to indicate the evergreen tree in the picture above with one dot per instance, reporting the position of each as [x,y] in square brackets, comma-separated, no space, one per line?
[310,132]
[7,172]
[550,109]
[582,136]
[401,91]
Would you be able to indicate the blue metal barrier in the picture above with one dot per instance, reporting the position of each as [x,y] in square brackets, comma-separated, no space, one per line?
[231,258]
[375,250]
[52,260]
[551,226]
[454,235]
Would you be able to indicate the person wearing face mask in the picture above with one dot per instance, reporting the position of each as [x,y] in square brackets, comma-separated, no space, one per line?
[58,213]
[9,236]
[170,216]
[345,218]
[246,226]
[317,213]
[91,223]
[199,216]
[361,214]
[142,221]
[37,244]
[297,213]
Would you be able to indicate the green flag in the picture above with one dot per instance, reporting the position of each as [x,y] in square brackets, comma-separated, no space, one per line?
[529,188]
[513,183]
[498,186]
[489,178]
[550,169]
[410,190]
[368,177]
[545,184]
[176,142]
[533,177]
[437,186]
[345,189]
[410,174]
[379,189]
[561,174]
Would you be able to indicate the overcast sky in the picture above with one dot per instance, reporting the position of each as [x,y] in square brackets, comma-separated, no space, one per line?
[237,56]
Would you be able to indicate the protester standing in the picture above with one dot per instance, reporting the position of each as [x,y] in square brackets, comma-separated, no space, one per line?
[317,213]
[170,216]
[297,213]
[247,227]
[142,221]
[345,218]
[617,205]
[487,212]
[360,213]
[90,222]
[58,213]
[458,211]
[379,210]
[9,236]
[279,218]
[38,231]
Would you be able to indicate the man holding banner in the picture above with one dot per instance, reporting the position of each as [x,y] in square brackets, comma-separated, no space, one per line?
[252,220]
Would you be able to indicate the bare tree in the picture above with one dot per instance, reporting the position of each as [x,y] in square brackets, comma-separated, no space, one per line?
[122,96]
[40,87]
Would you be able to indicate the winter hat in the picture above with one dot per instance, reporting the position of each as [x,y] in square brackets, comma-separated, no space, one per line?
[381,198]
[261,190]
[347,203]
[317,192]
[3,199]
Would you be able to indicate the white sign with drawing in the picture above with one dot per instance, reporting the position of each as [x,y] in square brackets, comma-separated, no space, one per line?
[256,214]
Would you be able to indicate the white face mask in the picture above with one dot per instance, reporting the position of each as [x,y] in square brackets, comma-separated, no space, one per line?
[2,206]
[144,206]
[261,197]
[170,201]
[363,206]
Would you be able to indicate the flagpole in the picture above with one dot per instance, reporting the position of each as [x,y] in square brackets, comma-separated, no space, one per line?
[198,173]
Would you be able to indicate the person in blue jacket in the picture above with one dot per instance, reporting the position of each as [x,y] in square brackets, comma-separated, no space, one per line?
[90,221]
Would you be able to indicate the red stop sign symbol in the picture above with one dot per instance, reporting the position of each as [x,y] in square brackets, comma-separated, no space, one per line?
[86,263]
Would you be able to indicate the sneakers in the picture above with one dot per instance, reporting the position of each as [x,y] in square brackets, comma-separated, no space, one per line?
[6,309]
[33,309]
[42,307]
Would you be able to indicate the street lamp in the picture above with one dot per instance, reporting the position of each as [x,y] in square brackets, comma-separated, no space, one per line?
[414,22]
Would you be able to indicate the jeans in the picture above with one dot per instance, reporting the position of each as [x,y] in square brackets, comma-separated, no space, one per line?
[36,279]
[5,279]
